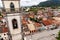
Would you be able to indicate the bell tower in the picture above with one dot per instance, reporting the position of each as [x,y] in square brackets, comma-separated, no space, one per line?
[13,18]
[11,5]
[14,25]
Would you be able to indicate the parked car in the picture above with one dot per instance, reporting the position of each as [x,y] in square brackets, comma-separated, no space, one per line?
[43,28]
[52,27]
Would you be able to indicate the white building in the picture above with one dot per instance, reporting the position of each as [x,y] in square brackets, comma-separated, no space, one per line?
[13,18]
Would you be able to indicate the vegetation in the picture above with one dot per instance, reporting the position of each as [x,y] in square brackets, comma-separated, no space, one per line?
[33,19]
[36,20]
[50,3]
[0,14]
[58,38]
[34,10]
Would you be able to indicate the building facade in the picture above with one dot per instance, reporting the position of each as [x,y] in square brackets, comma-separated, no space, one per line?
[13,18]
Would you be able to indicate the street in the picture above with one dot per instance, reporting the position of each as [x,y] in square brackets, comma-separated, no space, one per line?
[44,35]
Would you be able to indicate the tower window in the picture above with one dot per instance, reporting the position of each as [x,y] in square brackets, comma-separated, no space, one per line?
[12,8]
[1,38]
[14,23]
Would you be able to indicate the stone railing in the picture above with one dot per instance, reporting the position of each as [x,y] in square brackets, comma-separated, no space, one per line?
[16,10]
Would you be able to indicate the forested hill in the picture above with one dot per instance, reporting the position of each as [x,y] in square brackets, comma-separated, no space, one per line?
[50,3]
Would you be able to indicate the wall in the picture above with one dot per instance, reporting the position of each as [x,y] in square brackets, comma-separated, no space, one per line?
[5,37]
[16,33]
[7,5]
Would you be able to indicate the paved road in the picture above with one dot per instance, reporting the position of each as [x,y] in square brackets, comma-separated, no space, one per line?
[44,35]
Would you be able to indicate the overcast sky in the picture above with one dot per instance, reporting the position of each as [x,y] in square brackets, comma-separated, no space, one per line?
[28,2]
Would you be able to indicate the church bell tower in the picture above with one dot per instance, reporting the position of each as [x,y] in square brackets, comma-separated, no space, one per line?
[13,18]
[11,5]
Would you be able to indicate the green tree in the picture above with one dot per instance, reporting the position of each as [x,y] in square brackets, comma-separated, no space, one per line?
[0,13]
[58,38]
[34,10]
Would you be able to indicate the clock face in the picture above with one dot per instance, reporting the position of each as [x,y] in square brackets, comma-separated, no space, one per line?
[14,23]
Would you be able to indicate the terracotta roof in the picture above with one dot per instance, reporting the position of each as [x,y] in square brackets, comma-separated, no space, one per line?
[37,24]
[1,17]
[3,29]
[47,22]
[24,21]
[58,15]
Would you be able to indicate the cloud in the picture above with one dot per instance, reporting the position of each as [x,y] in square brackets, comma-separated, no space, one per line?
[0,3]
[30,2]
[27,2]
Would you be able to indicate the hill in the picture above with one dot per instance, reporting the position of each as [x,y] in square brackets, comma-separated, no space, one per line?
[50,3]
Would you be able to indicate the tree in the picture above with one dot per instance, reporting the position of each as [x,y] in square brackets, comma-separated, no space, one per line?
[0,14]
[50,3]
[58,38]
[34,10]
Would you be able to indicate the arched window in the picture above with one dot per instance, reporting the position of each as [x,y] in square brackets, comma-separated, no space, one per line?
[1,38]
[14,23]
[12,8]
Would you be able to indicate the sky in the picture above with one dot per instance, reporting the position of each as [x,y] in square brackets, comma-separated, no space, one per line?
[30,2]
[27,2]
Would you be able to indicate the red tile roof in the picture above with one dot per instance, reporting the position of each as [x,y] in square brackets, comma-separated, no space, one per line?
[47,22]
[24,21]
[1,17]
[37,24]
[4,29]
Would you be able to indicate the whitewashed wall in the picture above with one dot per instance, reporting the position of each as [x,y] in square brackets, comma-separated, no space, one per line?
[7,5]
[16,33]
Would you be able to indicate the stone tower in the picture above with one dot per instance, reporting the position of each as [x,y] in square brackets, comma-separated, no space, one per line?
[11,5]
[13,18]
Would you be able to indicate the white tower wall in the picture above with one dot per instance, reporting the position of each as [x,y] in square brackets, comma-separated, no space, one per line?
[15,33]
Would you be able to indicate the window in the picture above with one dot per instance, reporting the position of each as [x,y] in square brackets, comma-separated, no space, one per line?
[14,23]
[1,38]
[0,35]
[12,8]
